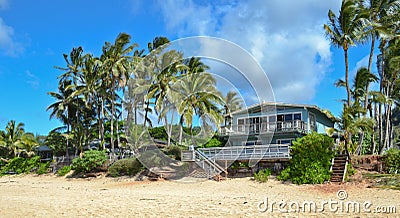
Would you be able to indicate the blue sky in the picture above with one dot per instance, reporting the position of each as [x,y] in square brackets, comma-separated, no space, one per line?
[286,37]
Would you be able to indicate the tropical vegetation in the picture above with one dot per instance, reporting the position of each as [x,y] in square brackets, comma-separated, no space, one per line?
[368,122]
[311,160]
[126,96]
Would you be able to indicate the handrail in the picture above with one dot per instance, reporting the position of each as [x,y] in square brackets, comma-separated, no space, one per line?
[255,152]
[211,163]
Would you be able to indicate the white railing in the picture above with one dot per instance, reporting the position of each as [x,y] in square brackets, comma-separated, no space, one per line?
[254,152]
[269,127]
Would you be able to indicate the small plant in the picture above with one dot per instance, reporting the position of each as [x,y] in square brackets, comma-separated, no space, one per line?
[350,171]
[90,161]
[392,160]
[63,171]
[125,167]
[262,175]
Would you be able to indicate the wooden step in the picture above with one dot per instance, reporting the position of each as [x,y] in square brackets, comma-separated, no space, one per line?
[338,168]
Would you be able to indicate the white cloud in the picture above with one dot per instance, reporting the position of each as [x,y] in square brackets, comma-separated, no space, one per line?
[8,45]
[286,37]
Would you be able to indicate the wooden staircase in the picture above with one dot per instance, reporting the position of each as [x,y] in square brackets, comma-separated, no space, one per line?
[339,168]
[210,166]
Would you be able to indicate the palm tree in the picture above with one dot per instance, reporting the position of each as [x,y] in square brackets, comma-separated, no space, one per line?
[232,102]
[195,94]
[28,143]
[343,31]
[11,138]
[382,15]
[361,82]
[388,68]
[116,63]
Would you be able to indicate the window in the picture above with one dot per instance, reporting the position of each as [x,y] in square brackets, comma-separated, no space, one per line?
[297,116]
[272,119]
[312,122]
[249,143]
[288,117]
[284,141]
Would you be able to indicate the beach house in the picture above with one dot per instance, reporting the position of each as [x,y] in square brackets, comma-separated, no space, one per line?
[261,134]
[274,123]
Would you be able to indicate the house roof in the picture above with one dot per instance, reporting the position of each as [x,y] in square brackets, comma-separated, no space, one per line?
[327,113]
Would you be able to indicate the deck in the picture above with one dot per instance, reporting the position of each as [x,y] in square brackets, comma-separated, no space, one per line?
[254,152]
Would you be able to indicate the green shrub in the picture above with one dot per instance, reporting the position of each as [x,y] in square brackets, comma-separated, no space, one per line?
[173,151]
[284,175]
[125,167]
[43,168]
[350,171]
[20,165]
[311,160]
[391,160]
[90,161]
[63,171]
[262,175]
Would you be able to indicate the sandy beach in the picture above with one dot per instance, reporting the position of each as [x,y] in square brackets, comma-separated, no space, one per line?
[52,196]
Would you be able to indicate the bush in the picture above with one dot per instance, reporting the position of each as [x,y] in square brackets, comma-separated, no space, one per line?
[173,151]
[20,165]
[311,160]
[43,168]
[392,160]
[262,175]
[125,167]
[63,171]
[90,161]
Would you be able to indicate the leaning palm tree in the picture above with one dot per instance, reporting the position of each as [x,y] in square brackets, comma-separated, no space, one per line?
[343,31]
[361,81]
[116,63]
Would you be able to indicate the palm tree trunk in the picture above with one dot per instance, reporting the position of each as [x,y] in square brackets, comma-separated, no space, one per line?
[180,129]
[112,116]
[67,143]
[167,130]
[387,127]
[346,58]
[371,54]
[145,112]
[102,124]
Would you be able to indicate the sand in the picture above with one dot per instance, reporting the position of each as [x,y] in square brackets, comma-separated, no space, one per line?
[52,196]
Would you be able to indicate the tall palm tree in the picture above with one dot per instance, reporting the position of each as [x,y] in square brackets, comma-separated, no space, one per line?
[116,63]
[382,16]
[343,31]
[63,109]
